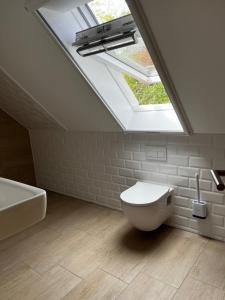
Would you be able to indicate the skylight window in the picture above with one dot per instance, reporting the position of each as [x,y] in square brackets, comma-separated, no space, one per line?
[148,90]
[125,78]
[107,10]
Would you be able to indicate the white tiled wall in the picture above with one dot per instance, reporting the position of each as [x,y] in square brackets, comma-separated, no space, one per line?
[98,166]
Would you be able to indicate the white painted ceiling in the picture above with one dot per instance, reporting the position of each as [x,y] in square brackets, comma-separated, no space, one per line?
[190,35]
[22,107]
[34,60]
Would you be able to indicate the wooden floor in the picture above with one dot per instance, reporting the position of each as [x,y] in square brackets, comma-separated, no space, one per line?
[83,251]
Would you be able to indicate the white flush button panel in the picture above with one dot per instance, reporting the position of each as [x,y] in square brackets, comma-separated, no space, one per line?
[158,153]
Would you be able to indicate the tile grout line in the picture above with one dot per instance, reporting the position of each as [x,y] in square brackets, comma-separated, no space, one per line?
[74,274]
[100,268]
[197,258]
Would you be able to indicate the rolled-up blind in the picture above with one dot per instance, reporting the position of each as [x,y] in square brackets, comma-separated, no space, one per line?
[58,5]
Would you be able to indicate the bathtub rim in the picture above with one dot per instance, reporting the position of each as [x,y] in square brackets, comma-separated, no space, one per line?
[37,192]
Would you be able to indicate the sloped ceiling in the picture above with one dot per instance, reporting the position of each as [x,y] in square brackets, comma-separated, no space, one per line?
[190,35]
[33,59]
[22,107]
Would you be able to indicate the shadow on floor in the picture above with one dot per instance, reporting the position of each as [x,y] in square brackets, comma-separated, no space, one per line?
[143,241]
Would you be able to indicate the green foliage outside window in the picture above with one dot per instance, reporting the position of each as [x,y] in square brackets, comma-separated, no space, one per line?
[146,93]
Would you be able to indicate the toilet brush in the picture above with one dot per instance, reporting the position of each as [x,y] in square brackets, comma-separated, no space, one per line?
[199,208]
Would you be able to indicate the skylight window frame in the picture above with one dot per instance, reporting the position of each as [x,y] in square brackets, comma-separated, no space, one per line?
[90,20]
[89,15]
[136,121]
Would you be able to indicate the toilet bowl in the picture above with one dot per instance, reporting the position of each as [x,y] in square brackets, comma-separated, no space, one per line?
[147,205]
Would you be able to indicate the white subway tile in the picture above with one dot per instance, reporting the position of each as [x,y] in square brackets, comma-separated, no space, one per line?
[217,220]
[200,162]
[220,231]
[205,174]
[212,197]
[178,139]
[178,160]
[112,186]
[118,163]
[187,150]
[187,171]
[118,179]
[142,175]
[183,212]
[178,180]
[211,152]
[181,201]
[112,170]
[193,223]
[156,177]
[179,220]
[124,155]
[171,149]
[132,164]
[200,139]
[135,147]
[219,163]
[123,188]
[106,193]
[219,210]
[185,192]
[153,167]
[203,184]
[126,172]
[130,181]
[139,156]
[219,140]
[168,169]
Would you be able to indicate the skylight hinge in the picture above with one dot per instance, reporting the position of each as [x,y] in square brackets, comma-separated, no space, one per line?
[108,36]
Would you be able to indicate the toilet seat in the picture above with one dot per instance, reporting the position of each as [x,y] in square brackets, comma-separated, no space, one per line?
[144,193]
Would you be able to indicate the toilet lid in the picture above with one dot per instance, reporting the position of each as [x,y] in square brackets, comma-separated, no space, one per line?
[143,193]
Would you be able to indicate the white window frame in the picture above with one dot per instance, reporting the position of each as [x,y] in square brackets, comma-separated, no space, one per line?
[61,28]
[89,19]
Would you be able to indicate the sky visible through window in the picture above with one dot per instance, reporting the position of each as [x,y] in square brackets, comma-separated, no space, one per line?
[136,56]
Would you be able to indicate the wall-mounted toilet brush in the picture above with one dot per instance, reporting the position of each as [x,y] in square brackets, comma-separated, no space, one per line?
[199,208]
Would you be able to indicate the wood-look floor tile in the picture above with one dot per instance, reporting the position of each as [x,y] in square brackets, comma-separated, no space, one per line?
[15,280]
[127,249]
[83,257]
[210,268]
[98,286]
[53,285]
[173,256]
[26,247]
[123,264]
[192,289]
[79,240]
[51,253]
[80,218]
[144,287]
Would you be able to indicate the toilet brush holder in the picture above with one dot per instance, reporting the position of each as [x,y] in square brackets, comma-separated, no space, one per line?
[199,209]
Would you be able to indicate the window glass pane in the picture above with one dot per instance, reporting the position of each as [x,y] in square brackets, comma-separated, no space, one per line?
[135,56]
[147,93]
[107,10]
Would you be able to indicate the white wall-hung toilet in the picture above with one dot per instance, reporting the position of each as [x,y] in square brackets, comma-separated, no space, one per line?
[147,205]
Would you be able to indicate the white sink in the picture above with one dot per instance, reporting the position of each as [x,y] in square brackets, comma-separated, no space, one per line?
[21,206]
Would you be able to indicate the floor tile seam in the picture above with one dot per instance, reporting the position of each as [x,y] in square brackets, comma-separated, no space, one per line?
[116,277]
